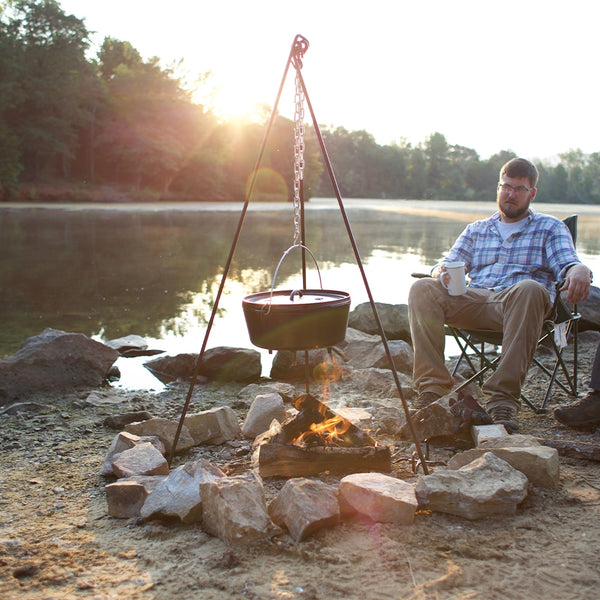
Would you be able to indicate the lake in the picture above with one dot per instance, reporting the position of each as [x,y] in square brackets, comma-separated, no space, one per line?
[154,269]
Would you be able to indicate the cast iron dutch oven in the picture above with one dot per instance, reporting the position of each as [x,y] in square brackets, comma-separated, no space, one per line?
[297,319]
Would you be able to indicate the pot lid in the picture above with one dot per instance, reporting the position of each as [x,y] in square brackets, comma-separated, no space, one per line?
[296,297]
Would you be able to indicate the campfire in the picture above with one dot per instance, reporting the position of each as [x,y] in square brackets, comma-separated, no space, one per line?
[315,440]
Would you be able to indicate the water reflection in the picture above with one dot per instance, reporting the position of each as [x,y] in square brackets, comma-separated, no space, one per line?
[155,271]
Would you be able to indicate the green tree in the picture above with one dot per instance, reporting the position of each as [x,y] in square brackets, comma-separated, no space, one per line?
[49,58]
[10,95]
[147,130]
[438,172]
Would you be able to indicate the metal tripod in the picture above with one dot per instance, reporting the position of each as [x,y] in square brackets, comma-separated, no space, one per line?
[299,48]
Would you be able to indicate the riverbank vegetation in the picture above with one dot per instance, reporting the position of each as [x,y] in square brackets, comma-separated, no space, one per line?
[118,127]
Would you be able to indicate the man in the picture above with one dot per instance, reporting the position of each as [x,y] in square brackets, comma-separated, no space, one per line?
[586,412]
[513,260]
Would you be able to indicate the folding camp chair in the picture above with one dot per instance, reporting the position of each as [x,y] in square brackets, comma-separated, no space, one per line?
[475,345]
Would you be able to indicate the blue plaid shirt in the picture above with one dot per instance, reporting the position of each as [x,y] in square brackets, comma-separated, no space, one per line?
[541,249]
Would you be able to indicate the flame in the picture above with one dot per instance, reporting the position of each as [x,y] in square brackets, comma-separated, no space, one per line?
[327,372]
[329,430]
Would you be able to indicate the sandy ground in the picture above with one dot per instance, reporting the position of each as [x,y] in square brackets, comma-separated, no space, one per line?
[57,541]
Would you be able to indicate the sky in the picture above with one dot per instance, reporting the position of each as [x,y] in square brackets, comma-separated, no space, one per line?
[516,75]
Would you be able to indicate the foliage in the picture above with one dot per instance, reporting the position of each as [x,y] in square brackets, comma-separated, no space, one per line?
[121,120]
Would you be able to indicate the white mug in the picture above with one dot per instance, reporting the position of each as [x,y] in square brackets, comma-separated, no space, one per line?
[457,284]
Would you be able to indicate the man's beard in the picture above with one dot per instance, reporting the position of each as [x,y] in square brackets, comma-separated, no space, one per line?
[514,212]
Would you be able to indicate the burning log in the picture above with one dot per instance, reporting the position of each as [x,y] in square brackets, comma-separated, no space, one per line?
[317,425]
[289,460]
[316,440]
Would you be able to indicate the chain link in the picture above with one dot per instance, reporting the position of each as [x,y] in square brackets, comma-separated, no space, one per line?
[298,154]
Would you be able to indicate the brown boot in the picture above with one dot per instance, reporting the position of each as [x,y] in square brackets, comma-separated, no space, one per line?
[502,414]
[584,413]
[425,399]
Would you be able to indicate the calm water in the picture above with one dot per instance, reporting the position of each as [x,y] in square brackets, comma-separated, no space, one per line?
[153,270]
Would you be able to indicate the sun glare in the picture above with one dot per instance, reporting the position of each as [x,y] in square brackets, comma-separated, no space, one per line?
[234,103]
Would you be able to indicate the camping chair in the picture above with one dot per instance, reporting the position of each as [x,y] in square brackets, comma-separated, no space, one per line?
[474,344]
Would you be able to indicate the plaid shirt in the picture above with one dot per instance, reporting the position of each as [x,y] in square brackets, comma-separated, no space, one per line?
[541,249]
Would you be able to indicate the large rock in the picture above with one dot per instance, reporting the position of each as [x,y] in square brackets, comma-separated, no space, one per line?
[222,363]
[590,311]
[393,317]
[54,361]
[165,431]
[126,497]
[487,486]
[305,506]
[234,509]
[132,345]
[538,463]
[125,441]
[178,495]
[213,426]
[290,366]
[364,351]
[264,409]
[142,459]
[379,382]
[378,497]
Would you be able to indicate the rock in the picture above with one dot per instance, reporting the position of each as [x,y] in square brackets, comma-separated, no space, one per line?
[234,509]
[357,416]
[164,430]
[484,433]
[364,351]
[132,345]
[178,494]
[435,420]
[393,317]
[304,506]
[290,366]
[378,382]
[538,463]
[231,364]
[451,416]
[264,409]
[213,426]
[590,311]
[119,421]
[142,459]
[515,440]
[54,361]
[126,497]
[388,419]
[485,487]
[128,341]
[286,390]
[222,363]
[172,368]
[104,398]
[125,441]
[378,497]
[22,407]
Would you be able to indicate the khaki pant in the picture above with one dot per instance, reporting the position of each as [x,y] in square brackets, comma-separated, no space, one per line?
[518,311]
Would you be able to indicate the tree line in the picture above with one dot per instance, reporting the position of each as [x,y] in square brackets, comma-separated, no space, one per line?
[119,120]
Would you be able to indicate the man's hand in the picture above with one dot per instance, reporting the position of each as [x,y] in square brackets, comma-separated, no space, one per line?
[441,274]
[577,284]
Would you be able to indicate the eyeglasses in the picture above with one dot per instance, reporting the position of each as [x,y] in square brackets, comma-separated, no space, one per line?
[519,189]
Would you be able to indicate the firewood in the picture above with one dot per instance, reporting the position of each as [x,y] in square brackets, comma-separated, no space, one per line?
[289,460]
[584,450]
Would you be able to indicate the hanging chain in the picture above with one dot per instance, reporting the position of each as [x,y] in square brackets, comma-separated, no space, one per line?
[298,154]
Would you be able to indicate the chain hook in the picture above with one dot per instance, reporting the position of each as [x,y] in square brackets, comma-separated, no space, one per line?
[299,48]
[298,142]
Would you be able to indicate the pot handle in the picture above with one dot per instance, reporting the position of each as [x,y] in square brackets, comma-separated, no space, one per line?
[285,256]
